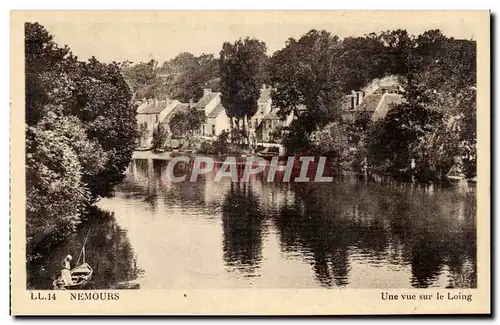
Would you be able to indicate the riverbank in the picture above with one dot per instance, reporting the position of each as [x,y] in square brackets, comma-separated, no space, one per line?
[167,155]
[372,176]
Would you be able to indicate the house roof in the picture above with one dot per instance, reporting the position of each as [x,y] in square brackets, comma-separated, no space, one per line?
[152,108]
[390,89]
[370,102]
[205,100]
[265,95]
[180,107]
[218,109]
[387,102]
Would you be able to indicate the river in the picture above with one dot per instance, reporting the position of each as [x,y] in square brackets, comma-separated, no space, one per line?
[349,233]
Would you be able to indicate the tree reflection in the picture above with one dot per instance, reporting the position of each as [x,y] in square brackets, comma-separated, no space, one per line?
[436,234]
[108,251]
[242,223]
[320,234]
[429,231]
[426,262]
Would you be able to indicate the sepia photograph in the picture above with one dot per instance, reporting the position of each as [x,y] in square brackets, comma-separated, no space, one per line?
[249,150]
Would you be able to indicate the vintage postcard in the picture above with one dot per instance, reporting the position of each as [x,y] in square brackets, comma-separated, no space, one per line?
[250,162]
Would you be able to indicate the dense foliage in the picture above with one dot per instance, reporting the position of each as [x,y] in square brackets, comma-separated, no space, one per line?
[187,122]
[160,136]
[306,74]
[433,129]
[80,134]
[182,77]
[241,64]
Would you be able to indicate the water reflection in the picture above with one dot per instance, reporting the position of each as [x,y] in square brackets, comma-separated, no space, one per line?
[340,229]
[108,251]
[348,233]
[242,226]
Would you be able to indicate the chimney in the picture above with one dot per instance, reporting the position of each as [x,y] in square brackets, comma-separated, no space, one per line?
[190,103]
[354,100]
[207,91]
[156,101]
[361,95]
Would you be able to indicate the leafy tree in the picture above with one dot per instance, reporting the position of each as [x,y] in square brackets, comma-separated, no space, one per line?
[403,134]
[142,77]
[277,134]
[449,74]
[307,82]
[44,61]
[103,103]
[361,60]
[182,77]
[296,139]
[239,136]
[220,144]
[142,132]
[397,56]
[448,64]
[304,74]
[80,134]
[198,74]
[187,122]
[241,77]
[160,135]
[58,156]
[179,64]
[467,127]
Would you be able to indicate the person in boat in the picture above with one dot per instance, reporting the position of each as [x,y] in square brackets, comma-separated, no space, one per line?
[66,271]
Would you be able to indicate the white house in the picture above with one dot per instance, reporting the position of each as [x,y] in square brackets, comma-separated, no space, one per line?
[259,126]
[264,108]
[216,118]
[270,123]
[150,113]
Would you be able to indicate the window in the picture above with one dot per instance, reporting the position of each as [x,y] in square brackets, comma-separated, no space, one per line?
[249,124]
[156,118]
[203,129]
[213,129]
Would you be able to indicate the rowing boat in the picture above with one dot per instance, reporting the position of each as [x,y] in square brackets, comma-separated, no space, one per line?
[80,275]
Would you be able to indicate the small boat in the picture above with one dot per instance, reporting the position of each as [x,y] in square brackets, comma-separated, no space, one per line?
[80,275]
[269,153]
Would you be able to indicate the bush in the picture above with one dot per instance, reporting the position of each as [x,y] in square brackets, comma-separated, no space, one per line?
[160,136]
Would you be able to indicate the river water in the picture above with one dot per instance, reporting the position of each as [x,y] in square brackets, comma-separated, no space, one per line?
[349,233]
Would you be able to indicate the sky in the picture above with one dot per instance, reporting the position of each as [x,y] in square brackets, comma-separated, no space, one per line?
[141,36]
